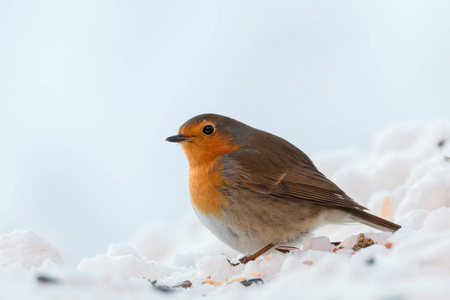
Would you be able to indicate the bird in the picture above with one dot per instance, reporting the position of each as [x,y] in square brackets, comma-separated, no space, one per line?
[254,190]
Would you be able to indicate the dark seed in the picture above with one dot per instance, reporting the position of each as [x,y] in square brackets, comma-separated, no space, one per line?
[47,279]
[441,143]
[249,282]
[184,284]
[164,288]
[370,261]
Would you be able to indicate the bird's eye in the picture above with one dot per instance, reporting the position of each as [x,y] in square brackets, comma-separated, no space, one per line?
[208,129]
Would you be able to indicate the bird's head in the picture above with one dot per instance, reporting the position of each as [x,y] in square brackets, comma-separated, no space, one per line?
[209,136]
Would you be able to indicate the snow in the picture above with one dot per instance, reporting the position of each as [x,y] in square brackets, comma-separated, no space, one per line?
[26,248]
[406,178]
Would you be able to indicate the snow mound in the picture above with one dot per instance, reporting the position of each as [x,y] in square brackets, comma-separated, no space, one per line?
[27,249]
[123,260]
[408,169]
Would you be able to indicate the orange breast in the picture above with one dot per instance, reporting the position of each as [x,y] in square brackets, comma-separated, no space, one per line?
[205,180]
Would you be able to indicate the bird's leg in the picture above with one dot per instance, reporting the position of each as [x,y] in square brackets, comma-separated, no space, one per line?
[285,249]
[247,258]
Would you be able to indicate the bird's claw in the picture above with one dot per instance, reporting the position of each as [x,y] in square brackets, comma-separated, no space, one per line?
[233,264]
[245,259]
[285,249]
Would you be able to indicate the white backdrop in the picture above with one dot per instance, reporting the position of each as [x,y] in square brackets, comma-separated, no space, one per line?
[89,90]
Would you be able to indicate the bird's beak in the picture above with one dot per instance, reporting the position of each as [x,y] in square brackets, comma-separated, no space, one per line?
[179,138]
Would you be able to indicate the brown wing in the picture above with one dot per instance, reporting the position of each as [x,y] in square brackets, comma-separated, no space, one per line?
[286,181]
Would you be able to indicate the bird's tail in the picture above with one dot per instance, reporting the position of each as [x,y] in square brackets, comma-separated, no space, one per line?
[371,220]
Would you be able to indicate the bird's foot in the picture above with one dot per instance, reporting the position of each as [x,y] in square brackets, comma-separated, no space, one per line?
[245,259]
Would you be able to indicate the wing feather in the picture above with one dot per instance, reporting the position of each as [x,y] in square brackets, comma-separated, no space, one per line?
[287,182]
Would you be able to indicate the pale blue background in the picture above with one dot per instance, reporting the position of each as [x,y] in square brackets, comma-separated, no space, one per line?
[89,90]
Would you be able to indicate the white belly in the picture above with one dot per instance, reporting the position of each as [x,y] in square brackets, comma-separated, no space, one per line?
[232,236]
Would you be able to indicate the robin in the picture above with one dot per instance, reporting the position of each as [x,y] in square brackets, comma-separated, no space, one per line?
[255,190]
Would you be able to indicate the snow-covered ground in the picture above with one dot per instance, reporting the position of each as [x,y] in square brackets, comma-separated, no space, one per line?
[405,178]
